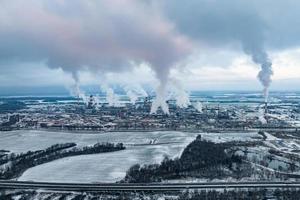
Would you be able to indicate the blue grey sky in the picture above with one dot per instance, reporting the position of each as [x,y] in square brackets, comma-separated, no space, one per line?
[205,44]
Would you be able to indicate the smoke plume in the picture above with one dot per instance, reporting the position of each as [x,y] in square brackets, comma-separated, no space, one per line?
[260,57]
[116,35]
[160,100]
[97,36]
[77,92]
[135,92]
[198,106]
[181,95]
[247,25]
[112,98]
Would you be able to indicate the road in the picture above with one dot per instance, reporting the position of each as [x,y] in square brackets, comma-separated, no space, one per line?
[78,187]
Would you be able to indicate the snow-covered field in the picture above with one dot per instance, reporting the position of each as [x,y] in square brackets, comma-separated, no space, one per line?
[231,136]
[107,167]
[23,141]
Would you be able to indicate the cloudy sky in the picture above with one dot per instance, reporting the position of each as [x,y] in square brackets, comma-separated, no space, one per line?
[205,44]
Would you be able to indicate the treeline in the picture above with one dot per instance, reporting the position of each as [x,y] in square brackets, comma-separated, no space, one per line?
[203,159]
[13,165]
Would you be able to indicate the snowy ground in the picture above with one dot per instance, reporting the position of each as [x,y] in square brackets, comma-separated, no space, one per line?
[231,136]
[107,167]
[23,141]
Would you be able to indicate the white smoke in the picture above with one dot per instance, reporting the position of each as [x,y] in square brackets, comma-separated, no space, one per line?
[163,94]
[160,100]
[112,98]
[77,92]
[220,24]
[198,106]
[181,95]
[135,92]
[259,56]
[96,36]
[132,96]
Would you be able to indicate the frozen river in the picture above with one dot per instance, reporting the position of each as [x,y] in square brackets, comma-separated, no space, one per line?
[106,167]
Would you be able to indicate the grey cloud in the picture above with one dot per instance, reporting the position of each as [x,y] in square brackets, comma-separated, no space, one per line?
[276,24]
[256,25]
[102,36]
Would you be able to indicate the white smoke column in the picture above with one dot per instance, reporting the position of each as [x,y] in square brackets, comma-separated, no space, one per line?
[141,91]
[219,23]
[198,106]
[160,100]
[111,97]
[181,96]
[75,89]
[134,92]
[95,36]
[265,74]
[132,96]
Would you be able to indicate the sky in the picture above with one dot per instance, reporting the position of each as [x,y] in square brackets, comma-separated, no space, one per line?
[201,44]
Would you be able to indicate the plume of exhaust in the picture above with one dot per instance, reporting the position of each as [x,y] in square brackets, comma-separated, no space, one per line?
[135,92]
[77,92]
[259,56]
[92,36]
[181,95]
[112,98]
[75,89]
[198,106]
[161,100]
[132,96]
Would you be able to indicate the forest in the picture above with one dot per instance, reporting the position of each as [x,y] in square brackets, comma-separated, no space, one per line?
[201,158]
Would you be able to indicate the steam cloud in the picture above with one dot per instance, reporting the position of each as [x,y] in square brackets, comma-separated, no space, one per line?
[135,92]
[77,92]
[115,36]
[160,101]
[181,96]
[254,26]
[265,73]
[98,36]
[198,106]
[260,57]
[112,98]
